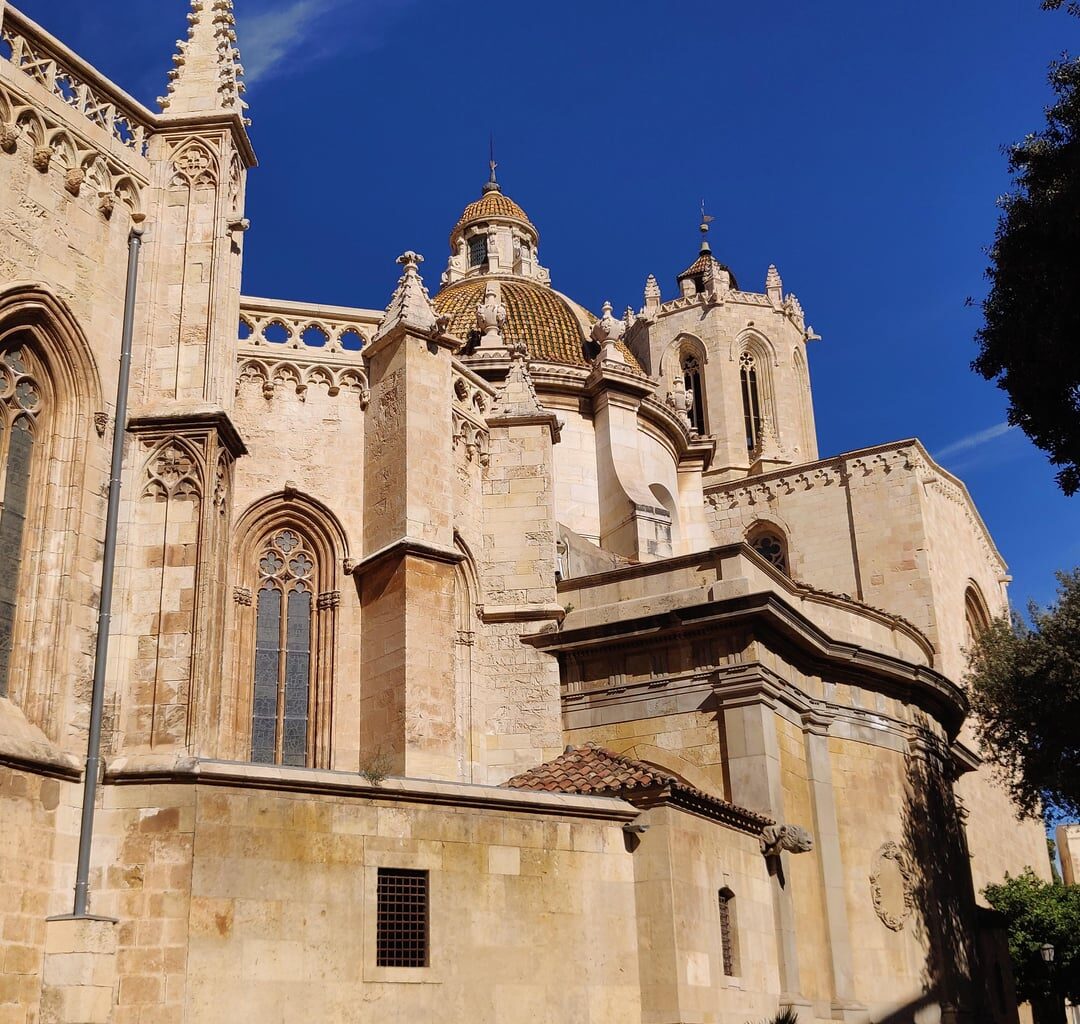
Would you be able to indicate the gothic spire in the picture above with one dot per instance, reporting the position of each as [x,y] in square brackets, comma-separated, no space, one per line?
[410,305]
[207,77]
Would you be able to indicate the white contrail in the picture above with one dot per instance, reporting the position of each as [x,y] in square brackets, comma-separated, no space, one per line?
[976,440]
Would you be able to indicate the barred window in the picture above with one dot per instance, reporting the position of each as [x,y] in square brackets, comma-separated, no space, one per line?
[402,921]
[21,407]
[478,253]
[727,932]
[281,711]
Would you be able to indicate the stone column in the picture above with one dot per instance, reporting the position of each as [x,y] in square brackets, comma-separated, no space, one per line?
[831,866]
[753,753]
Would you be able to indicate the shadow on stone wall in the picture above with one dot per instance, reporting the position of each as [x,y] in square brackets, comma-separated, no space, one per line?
[942,895]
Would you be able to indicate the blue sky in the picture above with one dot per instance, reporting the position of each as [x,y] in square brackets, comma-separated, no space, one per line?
[856,145]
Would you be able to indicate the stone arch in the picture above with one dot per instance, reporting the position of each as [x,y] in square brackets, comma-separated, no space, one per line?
[320,534]
[976,613]
[668,501]
[55,577]
[32,125]
[755,359]
[806,405]
[755,340]
[467,606]
[771,542]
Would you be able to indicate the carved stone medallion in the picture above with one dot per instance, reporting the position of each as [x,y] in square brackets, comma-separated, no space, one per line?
[892,887]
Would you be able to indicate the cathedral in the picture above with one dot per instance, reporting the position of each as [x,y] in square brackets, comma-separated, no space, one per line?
[472,657]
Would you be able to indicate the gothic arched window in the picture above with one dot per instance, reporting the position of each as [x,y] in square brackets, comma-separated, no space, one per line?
[770,543]
[22,407]
[691,370]
[976,617]
[751,398]
[282,708]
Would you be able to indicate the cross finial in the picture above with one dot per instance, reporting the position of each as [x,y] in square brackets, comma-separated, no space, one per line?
[492,182]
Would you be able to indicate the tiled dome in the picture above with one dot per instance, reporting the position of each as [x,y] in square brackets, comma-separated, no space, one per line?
[552,327]
[493,205]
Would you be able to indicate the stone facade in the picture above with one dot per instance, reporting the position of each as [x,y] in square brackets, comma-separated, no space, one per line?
[542,528]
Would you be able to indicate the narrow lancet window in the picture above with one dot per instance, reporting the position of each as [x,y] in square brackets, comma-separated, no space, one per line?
[282,706]
[691,369]
[21,407]
[751,398]
[728,949]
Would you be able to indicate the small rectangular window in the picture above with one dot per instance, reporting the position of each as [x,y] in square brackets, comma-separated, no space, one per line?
[727,932]
[402,922]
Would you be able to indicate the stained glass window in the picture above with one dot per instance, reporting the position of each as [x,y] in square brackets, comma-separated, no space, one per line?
[281,705]
[21,408]
[751,398]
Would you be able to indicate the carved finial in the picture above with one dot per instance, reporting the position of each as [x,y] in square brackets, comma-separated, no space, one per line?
[410,305]
[208,76]
[491,317]
[652,295]
[774,286]
[607,332]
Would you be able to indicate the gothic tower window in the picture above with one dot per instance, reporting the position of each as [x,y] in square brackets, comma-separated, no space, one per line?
[478,253]
[282,708]
[22,407]
[751,398]
[691,370]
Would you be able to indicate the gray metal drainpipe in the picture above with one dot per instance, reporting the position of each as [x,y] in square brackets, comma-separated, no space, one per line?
[108,567]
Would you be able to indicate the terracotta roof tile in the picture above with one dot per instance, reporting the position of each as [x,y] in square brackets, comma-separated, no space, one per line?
[547,322]
[592,770]
[697,268]
[493,205]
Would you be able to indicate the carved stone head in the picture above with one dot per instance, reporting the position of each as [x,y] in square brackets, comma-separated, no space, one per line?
[42,158]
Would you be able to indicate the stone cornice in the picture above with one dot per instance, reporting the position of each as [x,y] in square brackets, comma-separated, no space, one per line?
[26,748]
[183,770]
[202,417]
[405,547]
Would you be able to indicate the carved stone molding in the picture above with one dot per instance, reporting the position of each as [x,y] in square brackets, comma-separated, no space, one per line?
[892,887]
[329,599]
[243,597]
[101,422]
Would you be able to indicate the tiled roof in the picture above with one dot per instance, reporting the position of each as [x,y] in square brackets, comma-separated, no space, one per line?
[697,268]
[493,205]
[548,323]
[593,770]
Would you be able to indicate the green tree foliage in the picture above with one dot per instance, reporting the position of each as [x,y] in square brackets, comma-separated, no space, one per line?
[1024,685]
[1028,342]
[1037,912]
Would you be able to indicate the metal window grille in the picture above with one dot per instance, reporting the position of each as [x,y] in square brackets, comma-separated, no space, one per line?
[402,928]
[727,942]
[478,252]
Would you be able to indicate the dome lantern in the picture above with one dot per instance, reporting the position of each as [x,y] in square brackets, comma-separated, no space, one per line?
[494,236]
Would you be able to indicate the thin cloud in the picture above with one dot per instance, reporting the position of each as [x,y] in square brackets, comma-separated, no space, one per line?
[976,440]
[283,39]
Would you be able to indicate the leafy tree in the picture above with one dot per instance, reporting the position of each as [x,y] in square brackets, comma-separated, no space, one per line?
[1037,912]
[1024,685]
[1028,342]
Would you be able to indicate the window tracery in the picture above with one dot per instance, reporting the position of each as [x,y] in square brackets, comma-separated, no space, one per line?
[22,408]
[751,398]
[771,545]
[282,707]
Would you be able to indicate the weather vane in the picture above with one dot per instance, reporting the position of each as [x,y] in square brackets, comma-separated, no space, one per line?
[706,219]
